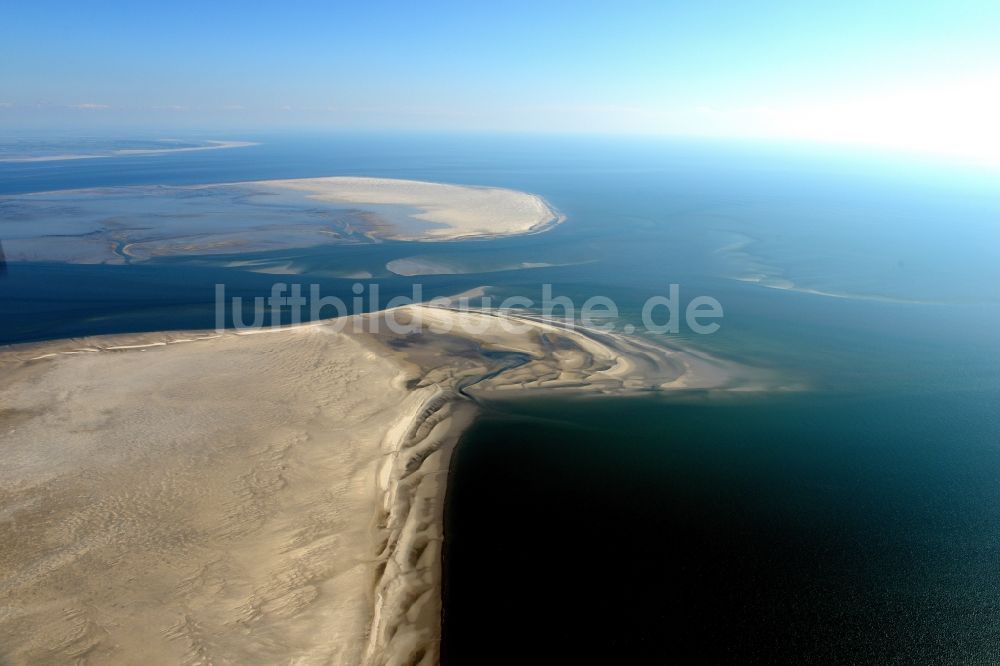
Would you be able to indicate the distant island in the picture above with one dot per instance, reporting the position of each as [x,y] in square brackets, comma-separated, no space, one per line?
[42,152]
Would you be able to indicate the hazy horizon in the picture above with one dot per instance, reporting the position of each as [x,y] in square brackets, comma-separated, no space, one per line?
[921,79]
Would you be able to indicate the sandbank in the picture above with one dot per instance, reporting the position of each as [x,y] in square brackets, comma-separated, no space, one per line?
[120,225]
[264,497]
[457,211]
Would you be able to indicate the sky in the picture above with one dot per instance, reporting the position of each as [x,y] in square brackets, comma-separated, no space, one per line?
[921,76]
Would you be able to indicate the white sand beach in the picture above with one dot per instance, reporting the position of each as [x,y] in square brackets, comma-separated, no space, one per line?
[268,497]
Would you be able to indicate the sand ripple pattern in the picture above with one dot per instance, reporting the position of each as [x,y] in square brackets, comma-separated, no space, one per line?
[204,503]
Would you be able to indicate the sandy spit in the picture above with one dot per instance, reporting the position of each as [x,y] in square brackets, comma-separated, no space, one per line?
[263,498]
[209,145]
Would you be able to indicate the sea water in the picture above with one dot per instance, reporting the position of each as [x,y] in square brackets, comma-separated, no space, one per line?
[852,515]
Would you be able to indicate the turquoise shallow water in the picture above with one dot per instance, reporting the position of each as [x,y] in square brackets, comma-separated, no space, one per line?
[853,521]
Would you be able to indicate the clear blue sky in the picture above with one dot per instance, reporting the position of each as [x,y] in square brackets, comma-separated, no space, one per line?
[833,71]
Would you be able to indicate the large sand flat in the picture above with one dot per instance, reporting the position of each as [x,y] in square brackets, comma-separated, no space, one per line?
[201,502]
[262,498]
[457,211]
[118,225]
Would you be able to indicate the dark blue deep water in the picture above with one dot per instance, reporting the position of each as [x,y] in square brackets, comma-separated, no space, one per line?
[855,520]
